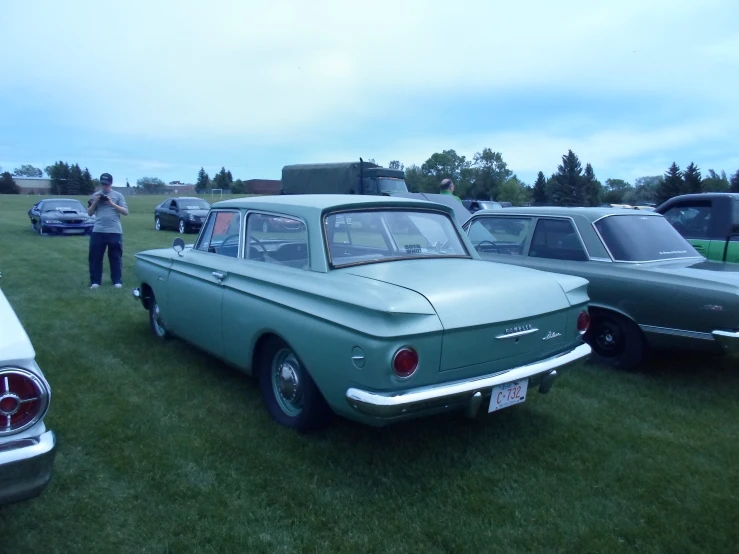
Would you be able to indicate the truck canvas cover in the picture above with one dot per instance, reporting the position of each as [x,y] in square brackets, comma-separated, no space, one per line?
[327,178]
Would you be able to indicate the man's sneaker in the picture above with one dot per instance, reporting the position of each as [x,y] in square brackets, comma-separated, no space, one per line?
[94,286]
[117,285]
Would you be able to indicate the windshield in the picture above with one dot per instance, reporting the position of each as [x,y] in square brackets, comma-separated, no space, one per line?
[390,184]
[641,238]
[377,236]
[194,204]
[63,206]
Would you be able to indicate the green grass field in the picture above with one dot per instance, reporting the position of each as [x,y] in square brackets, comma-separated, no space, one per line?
[163,449]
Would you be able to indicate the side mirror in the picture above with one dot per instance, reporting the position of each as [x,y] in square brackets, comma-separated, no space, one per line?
[179,245]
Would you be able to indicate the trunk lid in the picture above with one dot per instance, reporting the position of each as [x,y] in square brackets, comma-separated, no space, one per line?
[489,311]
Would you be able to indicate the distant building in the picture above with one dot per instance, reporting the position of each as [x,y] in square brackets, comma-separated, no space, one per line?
[263,186]
[33,185]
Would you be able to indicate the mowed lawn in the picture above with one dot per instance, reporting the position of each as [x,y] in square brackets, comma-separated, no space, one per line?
[163,449]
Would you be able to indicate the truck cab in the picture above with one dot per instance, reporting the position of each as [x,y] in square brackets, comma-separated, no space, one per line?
[709,222]
[342,178]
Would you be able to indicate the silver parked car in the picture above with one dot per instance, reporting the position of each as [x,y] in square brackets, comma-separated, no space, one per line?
[27,448]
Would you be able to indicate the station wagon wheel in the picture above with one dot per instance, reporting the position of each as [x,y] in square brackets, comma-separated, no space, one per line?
[288,391]
[157,224]
[155,320]
[615,340]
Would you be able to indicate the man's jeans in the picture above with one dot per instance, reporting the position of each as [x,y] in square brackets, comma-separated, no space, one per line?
[98,242]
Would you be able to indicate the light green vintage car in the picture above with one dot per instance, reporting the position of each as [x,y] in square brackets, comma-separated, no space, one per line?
[378,310]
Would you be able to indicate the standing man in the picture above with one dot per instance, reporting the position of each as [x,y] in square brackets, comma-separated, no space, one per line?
[447,187]
[107,205]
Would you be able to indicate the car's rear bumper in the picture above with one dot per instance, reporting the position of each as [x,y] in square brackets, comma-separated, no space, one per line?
[26,466]
[467,394]
[728,340]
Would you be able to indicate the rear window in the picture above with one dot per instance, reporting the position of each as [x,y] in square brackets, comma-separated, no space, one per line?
[641,238]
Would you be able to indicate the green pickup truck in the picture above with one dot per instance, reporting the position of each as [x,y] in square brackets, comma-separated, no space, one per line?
[709,222]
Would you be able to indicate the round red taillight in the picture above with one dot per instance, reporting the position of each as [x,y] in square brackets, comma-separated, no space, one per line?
[583,322]
[24,399]
[405,362]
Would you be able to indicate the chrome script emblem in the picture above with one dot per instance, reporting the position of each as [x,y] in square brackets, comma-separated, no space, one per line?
[551,335]
[518,329]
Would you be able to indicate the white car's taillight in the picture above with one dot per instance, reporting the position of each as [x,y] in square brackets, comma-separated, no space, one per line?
[24,400]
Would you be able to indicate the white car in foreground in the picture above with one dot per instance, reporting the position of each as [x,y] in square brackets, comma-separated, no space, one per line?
[27,448]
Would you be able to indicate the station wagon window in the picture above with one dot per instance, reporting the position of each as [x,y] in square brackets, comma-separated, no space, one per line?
[641,238]
[692,221]
[499,235]
[277,239]
[221,234]
[381,235]
[557,239]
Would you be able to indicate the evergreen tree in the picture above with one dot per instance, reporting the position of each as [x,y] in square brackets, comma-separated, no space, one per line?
[229,178]
[671,185]
[592,190]
[568,189]
[692,180]
[735,182]
[8,185]
[540,196]
[87,185]
[75,181]
[203,182]
[59,175]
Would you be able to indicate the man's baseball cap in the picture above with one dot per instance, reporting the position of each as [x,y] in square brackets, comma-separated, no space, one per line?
[106,179]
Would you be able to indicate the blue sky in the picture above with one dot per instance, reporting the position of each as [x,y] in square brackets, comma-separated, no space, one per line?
[155,88]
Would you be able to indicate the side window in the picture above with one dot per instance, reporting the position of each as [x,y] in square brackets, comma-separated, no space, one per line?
[277,239]
[221,234]
[173,205]
[500,235]
[692,221]
[557,239]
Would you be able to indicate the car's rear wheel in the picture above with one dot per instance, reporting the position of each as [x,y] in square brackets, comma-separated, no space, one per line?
[265,226]
[155,320]
[616,341]
[289,393]
[157,224]
[182,227]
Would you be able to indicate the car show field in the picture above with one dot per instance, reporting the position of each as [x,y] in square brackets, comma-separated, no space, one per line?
[163,448]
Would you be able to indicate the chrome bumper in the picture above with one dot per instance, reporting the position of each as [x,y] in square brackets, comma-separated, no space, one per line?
[729,341]
[26,466]
[466,394]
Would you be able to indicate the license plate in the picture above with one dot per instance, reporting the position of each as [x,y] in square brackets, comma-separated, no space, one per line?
[74,231]
[508,394]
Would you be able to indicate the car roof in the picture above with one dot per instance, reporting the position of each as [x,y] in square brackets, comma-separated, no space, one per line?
[317,203]
[590,214]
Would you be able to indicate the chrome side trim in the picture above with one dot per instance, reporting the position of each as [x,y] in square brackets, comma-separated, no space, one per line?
[458,394]
[517,334]
[728,340]
[676,332]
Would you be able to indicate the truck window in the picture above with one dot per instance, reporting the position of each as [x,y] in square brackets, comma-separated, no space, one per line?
[693,221]
[390,184]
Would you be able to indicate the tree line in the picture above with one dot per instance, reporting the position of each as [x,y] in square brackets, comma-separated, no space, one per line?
[487,177]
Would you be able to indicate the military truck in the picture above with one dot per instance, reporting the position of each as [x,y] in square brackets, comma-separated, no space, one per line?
[342,178]
[709,221]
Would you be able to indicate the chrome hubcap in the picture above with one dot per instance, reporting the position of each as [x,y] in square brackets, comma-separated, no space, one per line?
[286,382]
[182,227]
[157,224]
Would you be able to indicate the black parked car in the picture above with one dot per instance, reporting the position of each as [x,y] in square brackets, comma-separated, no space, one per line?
[184,213]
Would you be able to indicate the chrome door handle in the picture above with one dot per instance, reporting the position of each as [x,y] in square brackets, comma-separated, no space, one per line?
[218,275]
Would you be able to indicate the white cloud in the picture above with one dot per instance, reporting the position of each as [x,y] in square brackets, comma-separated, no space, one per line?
[271,70]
